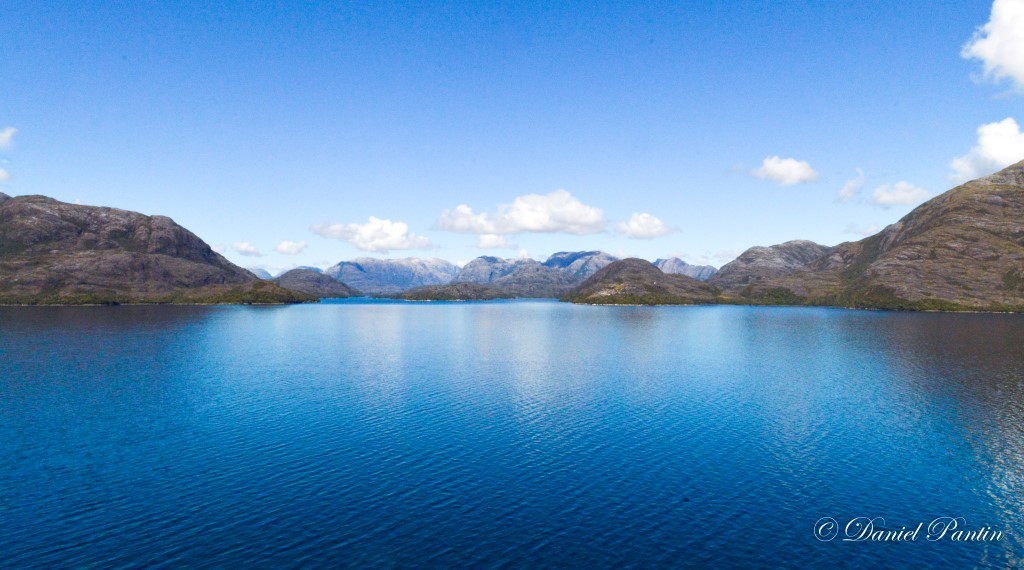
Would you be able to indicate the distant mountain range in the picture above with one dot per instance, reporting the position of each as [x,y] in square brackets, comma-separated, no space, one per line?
[496,278]
[499,279]
[52,252]
[962,250]
[429,278]
[486,277]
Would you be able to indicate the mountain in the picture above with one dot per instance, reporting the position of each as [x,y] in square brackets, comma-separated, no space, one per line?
[524,278]
[314,282]
[962,250]
[638,282]
[677,266]
[759,263]
[260,272]
[391,276]
[530,278]
[506,278]
[485,269]
[52,252]
[580,264]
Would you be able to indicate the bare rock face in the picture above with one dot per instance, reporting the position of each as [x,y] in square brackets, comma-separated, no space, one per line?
[314,283]
[760,263]
[392,276]
[576,265]
[54,252]
[677,266]
[580,264]
[963,249]
[485,269]
[530,278]
[638,282]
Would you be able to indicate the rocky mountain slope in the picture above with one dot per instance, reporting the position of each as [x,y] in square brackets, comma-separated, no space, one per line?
[313,282]
[677,266]
[638,282]
[502,278]
[485,269]
[760,263]
[392,276]
[580,264]
[962,250]
[530,278]
[52,252]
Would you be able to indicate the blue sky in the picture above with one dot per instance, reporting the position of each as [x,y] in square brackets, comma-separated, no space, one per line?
[652,129]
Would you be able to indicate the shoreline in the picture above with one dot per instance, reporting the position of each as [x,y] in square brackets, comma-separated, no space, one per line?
[526,299]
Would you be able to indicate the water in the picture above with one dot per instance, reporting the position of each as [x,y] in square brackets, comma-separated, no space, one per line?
[521,434]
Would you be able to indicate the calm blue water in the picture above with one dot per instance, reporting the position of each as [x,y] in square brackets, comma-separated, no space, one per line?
[518,434]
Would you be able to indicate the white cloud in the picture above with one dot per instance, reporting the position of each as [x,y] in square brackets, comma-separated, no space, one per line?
[900,194]
[785,171]
[493,241]
[379,235]
[7,137]
[4,175]
[557,212]
[643,226]
[999,44]
[245,248]
[219,248]
[999,145]
[852,187]
[290,247]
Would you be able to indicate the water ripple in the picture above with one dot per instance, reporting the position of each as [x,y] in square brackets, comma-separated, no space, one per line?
[502,435]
